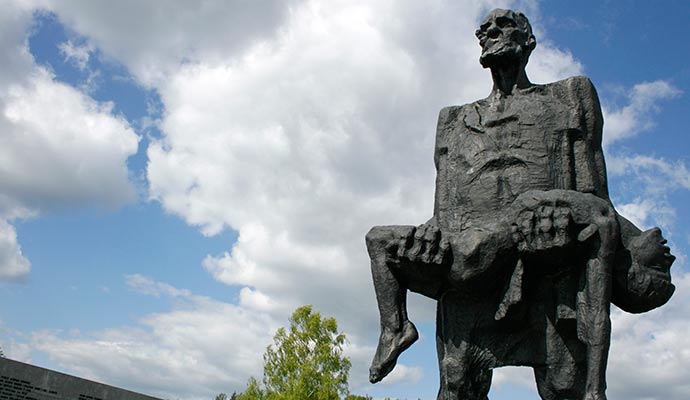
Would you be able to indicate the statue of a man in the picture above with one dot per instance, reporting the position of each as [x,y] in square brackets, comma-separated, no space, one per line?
[523,230]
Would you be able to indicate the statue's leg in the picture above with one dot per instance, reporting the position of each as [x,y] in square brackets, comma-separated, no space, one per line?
[393,276]
[458,382]
[462,378]
[556,382]
[594,304]
[598,337]
[564,372]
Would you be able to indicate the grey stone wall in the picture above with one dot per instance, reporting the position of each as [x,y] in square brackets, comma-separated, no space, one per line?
[20,381]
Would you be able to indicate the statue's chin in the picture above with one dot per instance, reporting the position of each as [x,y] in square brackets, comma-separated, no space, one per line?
[500,57]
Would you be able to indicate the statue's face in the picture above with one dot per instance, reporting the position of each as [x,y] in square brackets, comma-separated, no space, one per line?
[502,39]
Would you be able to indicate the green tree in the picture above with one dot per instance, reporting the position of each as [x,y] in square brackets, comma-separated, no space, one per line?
[305,362]
[221,396]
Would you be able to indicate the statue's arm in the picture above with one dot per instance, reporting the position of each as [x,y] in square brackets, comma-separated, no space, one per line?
[444,128]
[588,152]
[594,122]
[641,277]
[426,243]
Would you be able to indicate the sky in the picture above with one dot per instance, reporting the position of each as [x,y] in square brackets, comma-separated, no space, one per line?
[177,177]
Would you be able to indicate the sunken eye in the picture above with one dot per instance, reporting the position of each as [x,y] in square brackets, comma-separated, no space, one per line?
[504,22]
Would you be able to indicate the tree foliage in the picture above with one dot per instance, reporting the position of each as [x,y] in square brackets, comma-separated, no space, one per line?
[305,362]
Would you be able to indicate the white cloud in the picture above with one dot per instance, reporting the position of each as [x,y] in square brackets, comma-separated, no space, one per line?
[403,373]
[644,184]
[648,212]
[149,287]
[647,358]
[650,353]
[58,147]
[301,129]
[519,376]
[76,53]
[13,264]
[198,349]
[19,351]
[549,63]
[79,56]
[15,18]
[641,184]
[636,116]
[61,148]
[298,124]
[152,38]
[305,142]
[664,174]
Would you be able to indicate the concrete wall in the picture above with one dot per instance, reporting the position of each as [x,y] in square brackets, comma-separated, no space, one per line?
[20,381]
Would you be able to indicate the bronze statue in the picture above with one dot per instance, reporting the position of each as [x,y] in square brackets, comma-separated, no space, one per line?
[524,252]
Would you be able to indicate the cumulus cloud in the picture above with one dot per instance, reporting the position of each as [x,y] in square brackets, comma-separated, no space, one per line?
[641,183]
[645,212]
[304,145]
[300,125]
[312,138]
[644,185]
[152,38]
[649,352]
[193,351]
[636,116]
[674,174]
[59,148]
[300,128]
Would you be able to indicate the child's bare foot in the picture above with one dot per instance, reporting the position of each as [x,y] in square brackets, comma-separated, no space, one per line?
[391,344]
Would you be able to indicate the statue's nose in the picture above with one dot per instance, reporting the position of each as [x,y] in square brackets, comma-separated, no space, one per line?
[493,32]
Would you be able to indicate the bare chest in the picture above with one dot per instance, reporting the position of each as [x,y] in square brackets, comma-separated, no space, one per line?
[493,153]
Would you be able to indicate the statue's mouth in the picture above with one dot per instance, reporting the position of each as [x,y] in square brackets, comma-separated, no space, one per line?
[499,51]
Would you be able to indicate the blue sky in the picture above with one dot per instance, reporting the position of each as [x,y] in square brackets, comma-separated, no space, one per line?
[176,178]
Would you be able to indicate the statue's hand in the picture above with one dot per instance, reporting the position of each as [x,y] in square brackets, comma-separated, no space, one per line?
[650,250]
[554,219]
[424,244]
[542,227]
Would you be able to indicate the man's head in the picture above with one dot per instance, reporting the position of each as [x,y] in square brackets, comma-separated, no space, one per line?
[506,38]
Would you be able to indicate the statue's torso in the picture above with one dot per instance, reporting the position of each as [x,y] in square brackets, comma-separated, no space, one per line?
[490,152]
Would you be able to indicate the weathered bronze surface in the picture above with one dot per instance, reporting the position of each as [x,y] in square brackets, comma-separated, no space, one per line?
[524,252]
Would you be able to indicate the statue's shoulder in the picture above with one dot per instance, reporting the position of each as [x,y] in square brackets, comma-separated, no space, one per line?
[452,118]
[573,89]
[451,114]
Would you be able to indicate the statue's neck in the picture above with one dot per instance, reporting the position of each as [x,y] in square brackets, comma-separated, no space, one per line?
[508,78]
